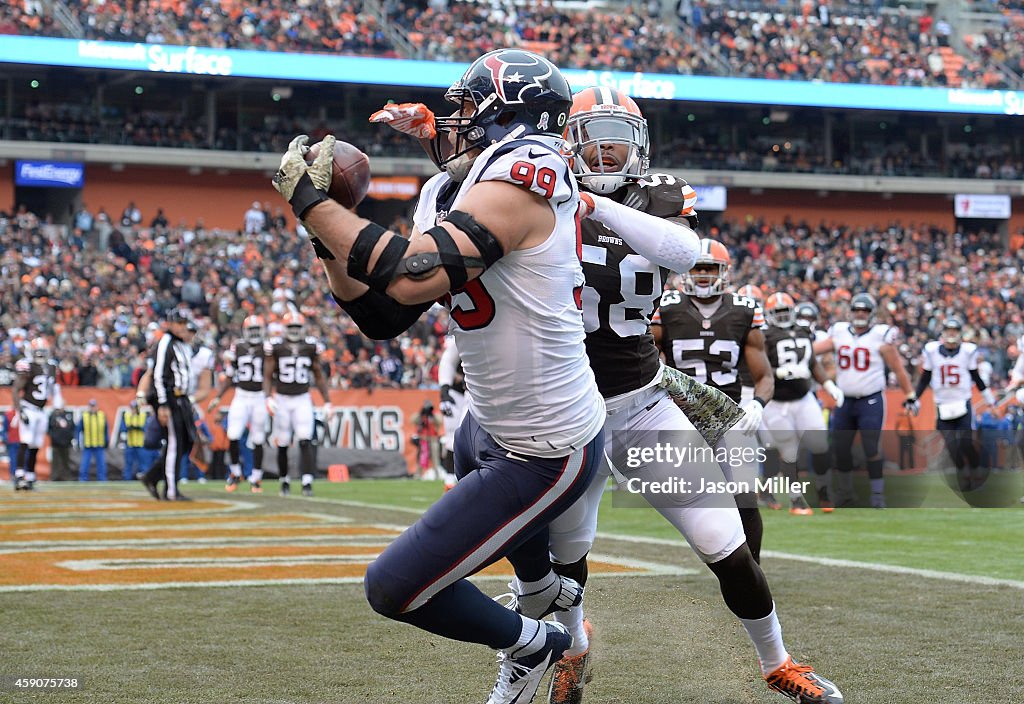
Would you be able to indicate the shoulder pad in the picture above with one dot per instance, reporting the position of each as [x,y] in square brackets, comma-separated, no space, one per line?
[527,163]
[663,196]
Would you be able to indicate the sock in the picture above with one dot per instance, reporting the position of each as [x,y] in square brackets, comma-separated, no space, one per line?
[536,596]
[824,480]
[573,620]
[234,453]
[285,481]
[30,476]
[236,470]
[532,638]
[877,486]
[256,476]
[766,635]
[257,455]
[307,480]
[282,462]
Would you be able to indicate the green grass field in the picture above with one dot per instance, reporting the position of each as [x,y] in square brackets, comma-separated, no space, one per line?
[848,586]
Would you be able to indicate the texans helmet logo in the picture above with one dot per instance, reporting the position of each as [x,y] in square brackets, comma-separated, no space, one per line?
[524,70]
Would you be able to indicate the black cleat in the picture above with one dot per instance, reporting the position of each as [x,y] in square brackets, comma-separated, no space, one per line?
[151,488]
[286,488]
[307,489]
[180,497]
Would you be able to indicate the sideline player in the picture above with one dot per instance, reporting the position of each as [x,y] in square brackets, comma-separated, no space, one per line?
[949,367]
[793,416]
[288,366]
[244,372]
[35,385]
[863,350]
[496,236]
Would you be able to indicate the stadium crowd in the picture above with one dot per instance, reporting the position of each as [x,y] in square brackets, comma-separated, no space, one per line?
[99,290]
[145,267]
[848,43]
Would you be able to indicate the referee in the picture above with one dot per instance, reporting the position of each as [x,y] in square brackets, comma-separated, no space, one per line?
[172,373]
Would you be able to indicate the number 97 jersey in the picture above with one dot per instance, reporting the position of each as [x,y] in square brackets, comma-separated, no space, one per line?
[708,348]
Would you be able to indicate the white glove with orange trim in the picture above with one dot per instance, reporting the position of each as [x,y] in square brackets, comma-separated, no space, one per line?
[414,119]
[271,405]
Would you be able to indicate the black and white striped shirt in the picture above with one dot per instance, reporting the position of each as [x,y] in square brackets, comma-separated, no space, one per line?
[172,368]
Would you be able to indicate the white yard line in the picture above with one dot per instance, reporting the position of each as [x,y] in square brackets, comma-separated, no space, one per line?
[834,562]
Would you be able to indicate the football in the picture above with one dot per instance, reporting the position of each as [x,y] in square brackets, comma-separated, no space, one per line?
[350,177]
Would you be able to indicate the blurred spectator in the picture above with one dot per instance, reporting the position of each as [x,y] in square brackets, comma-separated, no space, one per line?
[137,458]
[93,438]
[61,430]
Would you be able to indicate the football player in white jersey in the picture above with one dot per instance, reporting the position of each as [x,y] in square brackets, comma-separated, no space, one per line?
[496,237]
[949,367]
[34,387]
[863,350]
[454,404]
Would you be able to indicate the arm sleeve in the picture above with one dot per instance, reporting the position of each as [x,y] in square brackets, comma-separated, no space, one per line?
[449,364]
[662,242]
[922,383]
[978,381]
[380,317]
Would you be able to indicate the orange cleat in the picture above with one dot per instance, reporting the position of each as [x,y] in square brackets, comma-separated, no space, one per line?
[824,501]
[256,488]
[232,484]
[570,674]
[768,500]
[801,684]
[799,507]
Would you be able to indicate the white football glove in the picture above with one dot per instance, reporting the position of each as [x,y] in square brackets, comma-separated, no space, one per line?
[835,392]
[414,119]
[912,405]
[271,405]
[751,420]
[989,397]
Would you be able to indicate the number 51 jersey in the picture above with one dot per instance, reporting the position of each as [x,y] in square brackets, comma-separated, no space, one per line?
[708,348]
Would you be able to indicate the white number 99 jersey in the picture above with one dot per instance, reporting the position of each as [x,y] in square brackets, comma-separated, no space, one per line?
[860,369]
[519,326]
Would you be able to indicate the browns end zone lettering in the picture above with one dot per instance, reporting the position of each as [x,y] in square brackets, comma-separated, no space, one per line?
[365,428]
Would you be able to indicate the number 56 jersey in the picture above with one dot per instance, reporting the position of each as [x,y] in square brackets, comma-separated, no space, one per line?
[293,364]
[708,348]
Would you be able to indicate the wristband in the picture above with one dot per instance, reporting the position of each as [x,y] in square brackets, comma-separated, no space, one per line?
[761,401]
[305,196]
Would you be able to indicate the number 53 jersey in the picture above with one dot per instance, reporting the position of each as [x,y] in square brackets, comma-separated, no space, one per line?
[708,348]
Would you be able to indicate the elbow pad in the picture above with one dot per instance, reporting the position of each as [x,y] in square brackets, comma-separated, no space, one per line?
[380,317]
